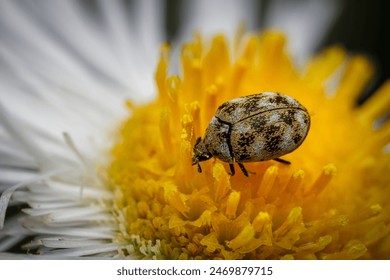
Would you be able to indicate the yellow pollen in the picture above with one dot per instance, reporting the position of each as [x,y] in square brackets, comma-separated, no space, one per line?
[331,202]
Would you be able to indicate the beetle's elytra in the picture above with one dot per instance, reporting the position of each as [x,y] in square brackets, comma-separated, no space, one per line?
[253,128]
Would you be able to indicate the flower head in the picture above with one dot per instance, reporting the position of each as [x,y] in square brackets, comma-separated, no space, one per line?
[330,203]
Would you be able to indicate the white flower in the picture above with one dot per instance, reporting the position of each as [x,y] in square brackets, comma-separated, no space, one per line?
[66,72]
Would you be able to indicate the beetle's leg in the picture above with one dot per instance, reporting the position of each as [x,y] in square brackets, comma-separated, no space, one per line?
[231,165]
[282,160]
[199,168]
[243,169]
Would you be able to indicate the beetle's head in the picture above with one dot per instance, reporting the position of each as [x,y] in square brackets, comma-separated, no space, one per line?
[200,153]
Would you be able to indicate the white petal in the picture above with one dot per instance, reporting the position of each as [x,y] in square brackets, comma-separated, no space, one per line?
[210,17]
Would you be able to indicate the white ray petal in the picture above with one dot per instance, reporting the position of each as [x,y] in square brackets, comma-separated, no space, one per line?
[83,251]
[71,214]
[150,16]
[34,37]
[210,17]
[6,195]
[12,175]
[9,242]
[88,231]
[130,53]
[65,242]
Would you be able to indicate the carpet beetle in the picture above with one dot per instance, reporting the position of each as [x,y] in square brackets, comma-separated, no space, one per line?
[253,128]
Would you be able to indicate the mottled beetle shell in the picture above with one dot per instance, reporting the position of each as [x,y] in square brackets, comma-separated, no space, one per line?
[257,127]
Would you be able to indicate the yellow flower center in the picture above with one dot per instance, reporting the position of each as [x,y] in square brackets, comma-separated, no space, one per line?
[330,203]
